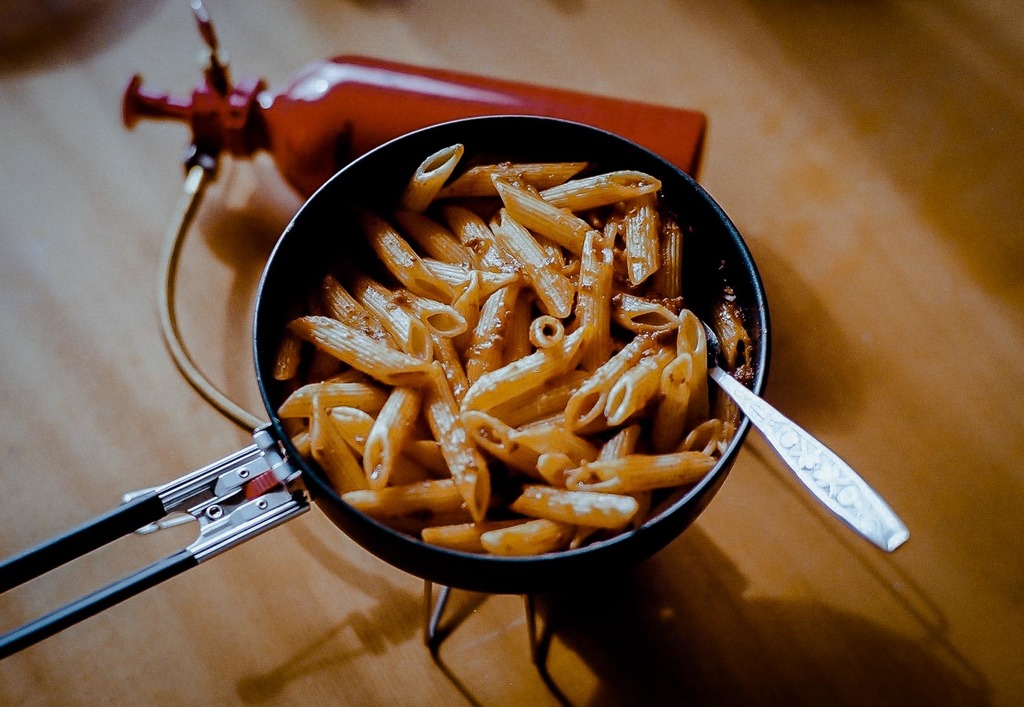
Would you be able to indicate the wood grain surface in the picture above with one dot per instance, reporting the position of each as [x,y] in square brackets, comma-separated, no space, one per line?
[872,154]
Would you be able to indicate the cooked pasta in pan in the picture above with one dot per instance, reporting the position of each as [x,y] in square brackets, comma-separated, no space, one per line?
[522,375]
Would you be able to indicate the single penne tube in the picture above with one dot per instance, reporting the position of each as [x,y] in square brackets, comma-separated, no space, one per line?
[534,537]
[441,318]
[554,290]
[517,333]
[429,177]
[710,437]
[535,405]
[641,233]
[330,450]
[446,354]
[581,535]
[642,314]
[670,420]
[459,276]
[436,496]
[498,386]
[434,239]
[463,537]
[322,365]
[637,386]
[546,331]
[484,352]
[353,424]
[554,468]
[667,280]
[641,472]
[386,437]
[623,443]
[473,232]
[409,331]
[360,351]
[551,437]
[469,304]
[289,355]
[302,443]
[692,339]
[498,439]
[593,308]
[589,508]
[600,190]
[341,305]
[427,454]
[528,208]
[479,181]
[364,396]
[467,466]
[402,260]
[588,402]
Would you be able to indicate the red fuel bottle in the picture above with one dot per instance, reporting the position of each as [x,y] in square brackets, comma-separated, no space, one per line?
[336,109]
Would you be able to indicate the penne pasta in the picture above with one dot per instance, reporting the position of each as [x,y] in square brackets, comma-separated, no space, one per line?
[451,365]
[642,315]
[600,190]
[467,466]
[425,497]
[388,434]
[546,331]
[463,537]
[429,178]
[410,332]
[534,371]
[554,290]
[341,305]
[359,351]
[286,364]
[533,537]
[643,251]
[667,280]
[528,208]
[366,397]
[353,424]
[402,261]
[536,332]
[484,352]
[589,401]
[441,319]
[595,294]
[330,450]
[460,276]
[538,404]
[473,232]
[641,472]
[590,508]
[434,239]
[637,386]
[479,181]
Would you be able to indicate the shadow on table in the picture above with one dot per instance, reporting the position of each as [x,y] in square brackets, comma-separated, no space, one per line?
[677,629]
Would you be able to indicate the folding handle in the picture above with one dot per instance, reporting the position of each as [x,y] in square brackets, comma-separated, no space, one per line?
[87,537]
[96,602]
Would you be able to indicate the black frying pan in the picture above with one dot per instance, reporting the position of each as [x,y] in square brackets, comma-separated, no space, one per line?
[232,505]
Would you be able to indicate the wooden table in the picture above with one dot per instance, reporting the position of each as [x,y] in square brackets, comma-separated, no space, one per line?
[870,153]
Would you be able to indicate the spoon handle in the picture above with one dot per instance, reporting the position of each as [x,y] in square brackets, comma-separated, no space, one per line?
[826,475]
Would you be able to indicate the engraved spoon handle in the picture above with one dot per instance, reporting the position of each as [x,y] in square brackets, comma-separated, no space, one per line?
[827,476]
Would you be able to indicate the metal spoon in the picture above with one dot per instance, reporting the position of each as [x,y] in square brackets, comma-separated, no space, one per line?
[827,476]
